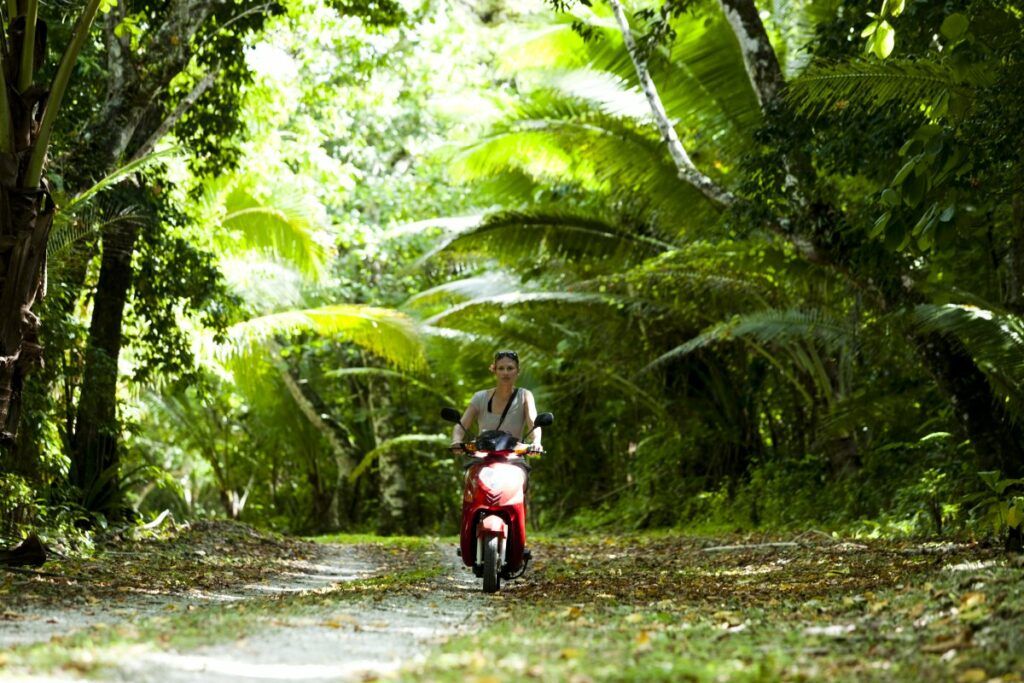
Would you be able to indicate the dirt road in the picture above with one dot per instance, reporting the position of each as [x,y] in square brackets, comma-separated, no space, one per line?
[299,639]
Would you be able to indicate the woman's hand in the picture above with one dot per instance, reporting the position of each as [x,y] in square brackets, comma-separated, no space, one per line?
[529,449]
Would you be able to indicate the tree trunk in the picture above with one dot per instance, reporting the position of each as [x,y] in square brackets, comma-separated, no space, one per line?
[26,217]
[997,438]
[94,459]
[393,517]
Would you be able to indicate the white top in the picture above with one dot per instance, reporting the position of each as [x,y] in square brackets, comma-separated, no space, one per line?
[515,421]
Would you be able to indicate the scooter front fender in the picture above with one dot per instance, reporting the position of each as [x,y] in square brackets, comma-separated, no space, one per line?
[492,525]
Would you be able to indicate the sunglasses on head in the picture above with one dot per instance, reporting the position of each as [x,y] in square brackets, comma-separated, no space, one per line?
[506,354]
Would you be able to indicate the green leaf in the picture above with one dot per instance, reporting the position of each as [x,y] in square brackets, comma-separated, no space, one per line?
[884,40]
[902,174]
[926,239]
[954,26]
[1014,516]
[914,189]
[869,29]
[991,478]
[880,224]
[941,105]
[894,235]
[925,220]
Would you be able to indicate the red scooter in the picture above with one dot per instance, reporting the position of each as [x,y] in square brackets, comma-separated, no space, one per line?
[493,536]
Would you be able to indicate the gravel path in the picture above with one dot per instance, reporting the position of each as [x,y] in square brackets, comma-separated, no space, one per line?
[359,641]
[356,641]
[31,623]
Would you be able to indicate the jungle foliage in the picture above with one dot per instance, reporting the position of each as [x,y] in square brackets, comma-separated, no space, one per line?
[761,282]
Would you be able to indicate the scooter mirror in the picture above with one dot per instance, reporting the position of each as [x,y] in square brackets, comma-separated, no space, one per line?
[450,415]
[544,420]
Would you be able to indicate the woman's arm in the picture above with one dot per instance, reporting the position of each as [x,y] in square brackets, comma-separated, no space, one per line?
[531,416]
[458,433]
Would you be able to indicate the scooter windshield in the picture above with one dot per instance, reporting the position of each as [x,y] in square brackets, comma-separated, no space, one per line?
[493,440]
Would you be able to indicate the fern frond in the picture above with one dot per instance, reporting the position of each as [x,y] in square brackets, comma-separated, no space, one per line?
[863,85]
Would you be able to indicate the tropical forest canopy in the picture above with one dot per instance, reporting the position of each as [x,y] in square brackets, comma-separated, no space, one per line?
[763,261]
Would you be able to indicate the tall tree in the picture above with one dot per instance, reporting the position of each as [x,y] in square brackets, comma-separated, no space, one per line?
[200,42]
[28,113]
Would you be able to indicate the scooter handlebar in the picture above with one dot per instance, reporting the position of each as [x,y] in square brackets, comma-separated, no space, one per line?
[530,450]
[469,448]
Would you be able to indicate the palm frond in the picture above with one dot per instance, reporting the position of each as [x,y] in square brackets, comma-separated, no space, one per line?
[702,78]
[602,156]
[714,94]
[515,237]
[513,299]
[116,176]
[71,226]
[389,374]
[433,440]
[70,229]
[996,340]
[443,223]
[388,334]
[793,24]
[607,92]
[772,327]
[490,283]
[286,226]
[863,85]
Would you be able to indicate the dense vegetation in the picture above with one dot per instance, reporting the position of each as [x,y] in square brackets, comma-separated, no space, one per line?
[774,280]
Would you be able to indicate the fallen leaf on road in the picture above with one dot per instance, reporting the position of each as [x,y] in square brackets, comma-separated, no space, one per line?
[832,630]
[341,621]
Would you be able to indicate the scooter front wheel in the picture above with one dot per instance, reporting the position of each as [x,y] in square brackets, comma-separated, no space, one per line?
[492,566]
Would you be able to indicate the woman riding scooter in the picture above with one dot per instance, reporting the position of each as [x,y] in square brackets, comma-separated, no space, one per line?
[493,536]
[506,407]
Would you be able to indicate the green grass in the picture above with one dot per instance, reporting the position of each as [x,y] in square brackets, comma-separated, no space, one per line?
[405,542]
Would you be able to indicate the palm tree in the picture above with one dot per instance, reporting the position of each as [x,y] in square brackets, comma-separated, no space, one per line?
[624,176]
[26,208]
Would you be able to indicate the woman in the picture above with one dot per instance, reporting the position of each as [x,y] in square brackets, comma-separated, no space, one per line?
[506,407]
